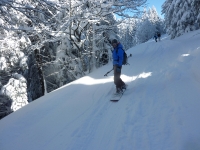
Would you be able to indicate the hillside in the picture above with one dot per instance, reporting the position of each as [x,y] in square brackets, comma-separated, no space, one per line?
[159,110]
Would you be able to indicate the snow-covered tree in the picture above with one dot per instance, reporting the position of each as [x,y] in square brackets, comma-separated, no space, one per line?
[82,40]
[149,24]
[134,31]
[13,63]
[127,32]
[63,40]
[181,16]
[196,10]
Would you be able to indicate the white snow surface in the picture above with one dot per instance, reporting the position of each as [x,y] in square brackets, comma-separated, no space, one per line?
[159,110]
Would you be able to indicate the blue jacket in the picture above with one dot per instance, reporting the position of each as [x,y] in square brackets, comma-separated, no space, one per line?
[118,55]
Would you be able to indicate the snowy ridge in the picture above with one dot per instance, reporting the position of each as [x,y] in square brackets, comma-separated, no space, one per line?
[159,110]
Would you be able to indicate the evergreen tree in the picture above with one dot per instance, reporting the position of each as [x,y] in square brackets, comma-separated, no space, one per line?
[196,10]
[149,25]
[181,16]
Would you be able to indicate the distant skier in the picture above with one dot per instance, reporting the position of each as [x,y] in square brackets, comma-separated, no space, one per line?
[159,35]
[117,55]
[155,37]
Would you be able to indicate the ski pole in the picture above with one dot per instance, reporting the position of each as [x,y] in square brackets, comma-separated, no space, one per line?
[108,72]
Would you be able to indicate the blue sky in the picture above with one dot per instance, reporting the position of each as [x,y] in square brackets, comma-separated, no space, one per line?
[157,4]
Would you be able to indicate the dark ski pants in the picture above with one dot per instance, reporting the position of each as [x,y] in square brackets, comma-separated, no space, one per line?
[117,80]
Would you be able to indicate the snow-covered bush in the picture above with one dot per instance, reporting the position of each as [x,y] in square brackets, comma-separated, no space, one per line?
[15,89]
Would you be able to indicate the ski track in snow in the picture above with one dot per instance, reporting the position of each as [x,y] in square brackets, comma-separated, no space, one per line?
[158,111]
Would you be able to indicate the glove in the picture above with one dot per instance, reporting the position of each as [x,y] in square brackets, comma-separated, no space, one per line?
[118,69]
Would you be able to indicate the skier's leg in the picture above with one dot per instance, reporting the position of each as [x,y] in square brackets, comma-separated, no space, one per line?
[117,80]
[116,76]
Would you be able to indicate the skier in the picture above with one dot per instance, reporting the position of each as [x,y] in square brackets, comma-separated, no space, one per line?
[117,55]
[159,35]
[155,37]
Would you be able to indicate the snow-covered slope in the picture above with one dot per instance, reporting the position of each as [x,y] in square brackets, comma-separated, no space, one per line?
[159,110]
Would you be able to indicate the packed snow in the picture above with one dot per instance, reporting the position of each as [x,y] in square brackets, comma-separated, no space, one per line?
[158,111]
